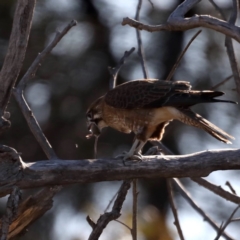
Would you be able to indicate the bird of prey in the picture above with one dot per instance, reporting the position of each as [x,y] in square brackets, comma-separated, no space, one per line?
[145,107]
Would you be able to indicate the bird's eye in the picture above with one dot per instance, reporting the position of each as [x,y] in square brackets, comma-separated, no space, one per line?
[89,115]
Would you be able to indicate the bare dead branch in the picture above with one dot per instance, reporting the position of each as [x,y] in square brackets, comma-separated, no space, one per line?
[217,190]
[54,172]
[114,214]
[18,94]
[16,50]
[139,40]
[177,22]
[230,187]
[221,83]
[35,206]
[125,225]
[230,49]
[170,75]
[34,126]
[31,209]
[114,71]
[91,222]
[235,220]
[220,232]
[174,209]
[134,210]
[111,201]
[228,42]
[11,212]
[41,56]
[218,9]
[189,199]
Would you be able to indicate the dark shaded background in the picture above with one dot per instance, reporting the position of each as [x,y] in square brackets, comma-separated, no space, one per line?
[76,73]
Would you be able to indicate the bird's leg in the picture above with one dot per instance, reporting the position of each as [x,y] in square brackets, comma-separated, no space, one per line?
[134,152]
[139,147]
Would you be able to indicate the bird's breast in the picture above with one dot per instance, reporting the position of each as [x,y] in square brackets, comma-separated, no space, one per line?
[128,120]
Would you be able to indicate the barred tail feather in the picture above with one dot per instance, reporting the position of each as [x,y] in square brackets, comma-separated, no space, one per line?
[196,120]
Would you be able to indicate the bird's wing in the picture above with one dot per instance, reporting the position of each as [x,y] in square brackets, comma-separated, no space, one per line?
[145,93]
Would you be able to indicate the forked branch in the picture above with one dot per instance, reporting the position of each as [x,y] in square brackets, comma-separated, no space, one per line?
[177,22]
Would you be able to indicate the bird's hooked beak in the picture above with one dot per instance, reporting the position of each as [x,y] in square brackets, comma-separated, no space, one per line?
[93,129]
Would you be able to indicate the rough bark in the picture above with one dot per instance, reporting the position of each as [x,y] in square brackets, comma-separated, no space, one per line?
[14,171]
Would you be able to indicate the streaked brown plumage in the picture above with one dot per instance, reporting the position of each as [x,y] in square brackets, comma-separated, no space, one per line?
[146,107]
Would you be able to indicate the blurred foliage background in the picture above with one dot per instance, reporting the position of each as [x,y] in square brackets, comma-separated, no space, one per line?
[76,73]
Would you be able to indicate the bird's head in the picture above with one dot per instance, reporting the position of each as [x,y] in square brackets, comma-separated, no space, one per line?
[95,122]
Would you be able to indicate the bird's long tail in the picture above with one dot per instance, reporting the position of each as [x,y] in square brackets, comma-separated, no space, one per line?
[196,120]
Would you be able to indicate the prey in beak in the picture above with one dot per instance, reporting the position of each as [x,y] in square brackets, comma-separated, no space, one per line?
[93,129]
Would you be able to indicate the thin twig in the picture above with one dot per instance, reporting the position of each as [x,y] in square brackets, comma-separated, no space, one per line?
[230,187]
[189,199]
[114,71]
[114,214]
[11,212]
[221,83]
[34,126]
[141,55]
[41,56]
[170,75]
[229,46]
[217,190]
[111,201]
[125,225]
[235,220]
[174,210]
[226,224]
[228,41]
[91,222]
[134,210]
[220,11]
[18,94]
[139,40]
[151,3]
[203,182]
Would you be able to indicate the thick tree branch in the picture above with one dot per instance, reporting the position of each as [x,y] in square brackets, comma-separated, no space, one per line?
[177,22]
[16,50]
[59,172]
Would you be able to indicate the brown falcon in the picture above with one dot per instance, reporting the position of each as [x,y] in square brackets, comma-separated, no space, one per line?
[146,107]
